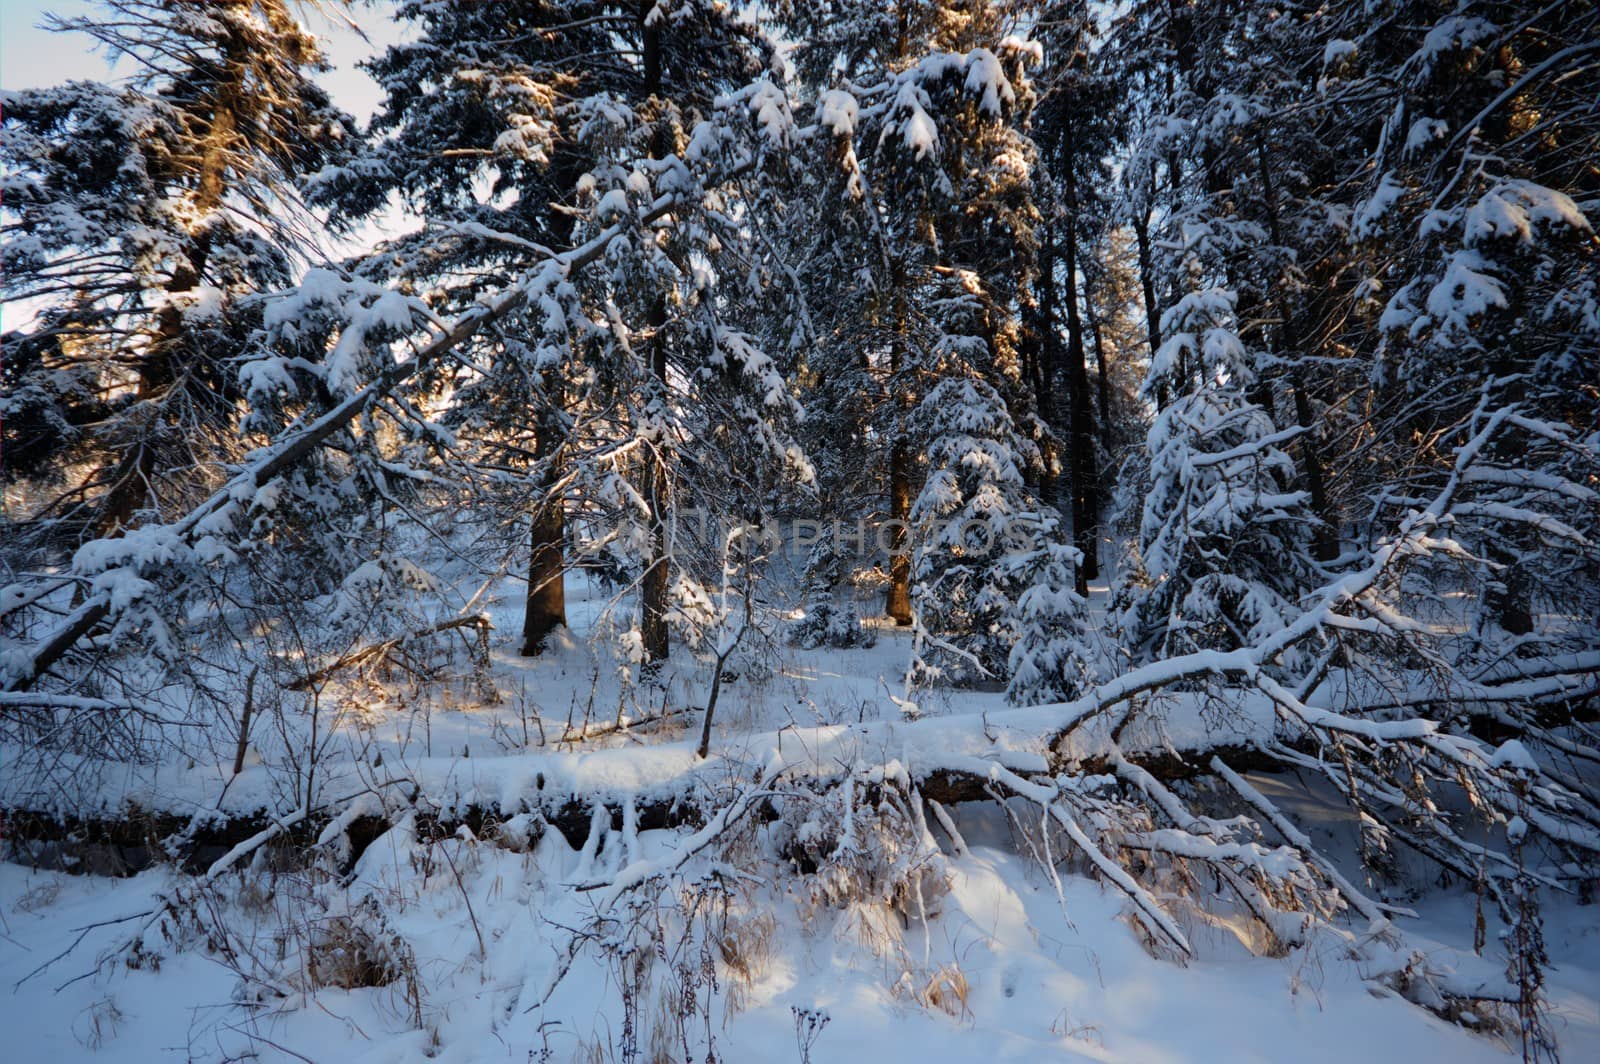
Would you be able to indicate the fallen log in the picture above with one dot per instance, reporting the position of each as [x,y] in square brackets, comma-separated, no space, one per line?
[138,838]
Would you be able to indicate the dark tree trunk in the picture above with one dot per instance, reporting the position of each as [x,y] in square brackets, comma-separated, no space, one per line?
[1044,388]
[653,620]
[1147,280]
[1047,369]
[653,614]
[1102,380]
[546,607]
[1085,472]
[1507,597]
[1327,535]
[898,603]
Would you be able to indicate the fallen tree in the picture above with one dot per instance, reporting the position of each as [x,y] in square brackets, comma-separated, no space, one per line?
[1376,758]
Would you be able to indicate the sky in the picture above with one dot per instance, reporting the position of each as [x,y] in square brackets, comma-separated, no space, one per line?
[32,57]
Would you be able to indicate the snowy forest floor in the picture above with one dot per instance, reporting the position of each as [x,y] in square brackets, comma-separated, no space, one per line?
[1029,979]
[1001,968]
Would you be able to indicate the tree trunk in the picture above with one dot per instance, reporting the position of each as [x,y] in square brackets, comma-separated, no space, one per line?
[133,481]
[1085,473]
[898,605]
[1147,280]
[546,607]
[653,621]
[1326,544]
[1045,369]
[1507,597]
[1102,381]
[653,612]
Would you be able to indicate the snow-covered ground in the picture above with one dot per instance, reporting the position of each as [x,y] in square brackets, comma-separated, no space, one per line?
[1007,963]
[1015,975]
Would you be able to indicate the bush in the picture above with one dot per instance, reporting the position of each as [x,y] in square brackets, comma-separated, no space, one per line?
[830,624]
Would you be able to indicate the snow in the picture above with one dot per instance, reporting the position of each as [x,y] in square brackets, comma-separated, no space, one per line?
[977,726]
[917,129]
[528,140]
[811,718]
[1336,50]
[1369,218]
[1045,977]
[1424,131]
[1450,34]
[1513,209]
[837,111]
[1512,754]
[987,80]
[1466,291]
[769,106]
[612,206]
[1014,45]
[808,890]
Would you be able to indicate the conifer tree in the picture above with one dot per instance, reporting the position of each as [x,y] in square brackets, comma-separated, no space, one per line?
[142,219]
[575,116]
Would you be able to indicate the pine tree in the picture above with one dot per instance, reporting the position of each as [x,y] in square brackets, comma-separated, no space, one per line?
[1222,556]
[542,104]
[972,516]
[1477,228]
[923,122]
[1057,654]
[1075,124]
[142,220]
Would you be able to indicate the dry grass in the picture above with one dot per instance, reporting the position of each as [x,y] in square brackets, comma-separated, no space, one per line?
[39,896]
[355,950]
[860,851]
[97,1024]
[745,944]
[945,989]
